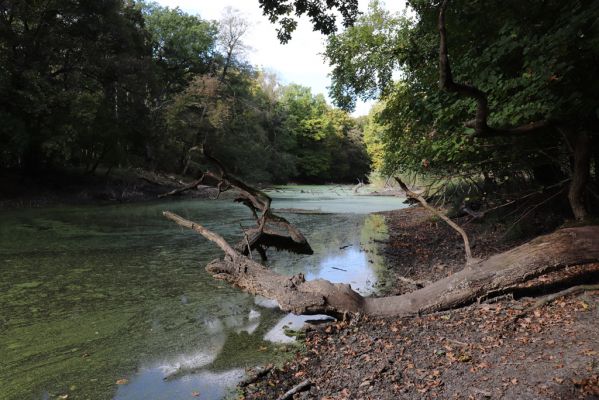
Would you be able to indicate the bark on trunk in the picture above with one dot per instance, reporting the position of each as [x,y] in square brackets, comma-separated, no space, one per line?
[484,279]
[596,159]
[480,122]
[581,144]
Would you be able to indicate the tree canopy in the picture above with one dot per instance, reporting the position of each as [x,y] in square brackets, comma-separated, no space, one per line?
[124,83]
[516,98]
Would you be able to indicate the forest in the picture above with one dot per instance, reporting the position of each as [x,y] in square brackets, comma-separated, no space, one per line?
[92,86]
[513,108]
[470,270]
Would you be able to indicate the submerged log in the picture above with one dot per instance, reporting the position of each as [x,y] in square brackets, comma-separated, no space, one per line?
[489,278]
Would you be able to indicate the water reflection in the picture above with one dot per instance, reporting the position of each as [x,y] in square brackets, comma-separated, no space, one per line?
[93,295]
[204,384]
[351,266]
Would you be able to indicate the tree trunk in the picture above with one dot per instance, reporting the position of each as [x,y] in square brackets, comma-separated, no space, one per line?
[581,145]
[596,159]
[484,279]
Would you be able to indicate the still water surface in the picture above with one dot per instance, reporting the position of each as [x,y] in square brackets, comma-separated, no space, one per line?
[92,296]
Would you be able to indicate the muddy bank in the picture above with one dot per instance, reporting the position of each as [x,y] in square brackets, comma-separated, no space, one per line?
[477,352]
[423,248]
[75,188]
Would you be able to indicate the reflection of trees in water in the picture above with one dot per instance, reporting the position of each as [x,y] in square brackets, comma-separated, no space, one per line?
[327,233]
[140,283]
[373,232]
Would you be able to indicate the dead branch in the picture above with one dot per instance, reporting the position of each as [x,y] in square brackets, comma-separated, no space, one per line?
[208,234]
[296,389]
[182,189]
[418,284]
[529,211]
[271,230]
[543,301]
[455,226]
[483,279]
[358,186]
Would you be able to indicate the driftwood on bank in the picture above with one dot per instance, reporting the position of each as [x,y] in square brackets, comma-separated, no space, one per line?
[478,281]
[303,385]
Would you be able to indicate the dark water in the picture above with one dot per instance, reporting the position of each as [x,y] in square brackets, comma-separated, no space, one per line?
[92,296]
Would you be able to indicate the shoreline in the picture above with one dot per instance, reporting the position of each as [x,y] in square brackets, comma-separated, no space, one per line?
[74,189]
[122,186]
[463,353]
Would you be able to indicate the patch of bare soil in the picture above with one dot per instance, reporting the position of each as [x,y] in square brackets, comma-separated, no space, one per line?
[425,249]
[484,351]
[474,353]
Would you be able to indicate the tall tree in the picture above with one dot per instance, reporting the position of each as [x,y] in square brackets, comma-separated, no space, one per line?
[183,45]
[68,66]
[232,29]
[525,88]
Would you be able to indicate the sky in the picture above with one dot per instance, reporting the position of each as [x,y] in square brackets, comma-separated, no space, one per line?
[299,61]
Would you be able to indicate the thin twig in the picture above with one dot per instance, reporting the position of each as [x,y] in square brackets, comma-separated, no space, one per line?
[531,210]
[549,298]
[247,242]
[296,389]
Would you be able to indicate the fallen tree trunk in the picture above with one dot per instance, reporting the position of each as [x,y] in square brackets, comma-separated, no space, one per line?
[481,280]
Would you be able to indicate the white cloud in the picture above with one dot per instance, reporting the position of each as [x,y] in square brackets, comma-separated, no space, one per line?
[299,61]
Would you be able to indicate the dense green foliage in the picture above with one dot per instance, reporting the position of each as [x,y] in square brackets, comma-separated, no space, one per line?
[534,60]
[121,83]
[66,67]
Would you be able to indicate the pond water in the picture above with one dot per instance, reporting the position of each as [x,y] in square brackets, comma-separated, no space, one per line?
[112,302]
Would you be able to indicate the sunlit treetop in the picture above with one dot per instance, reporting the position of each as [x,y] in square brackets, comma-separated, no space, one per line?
[323,14]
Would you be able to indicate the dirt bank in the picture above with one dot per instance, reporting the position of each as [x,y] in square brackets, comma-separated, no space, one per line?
[74,188]
[478,352]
